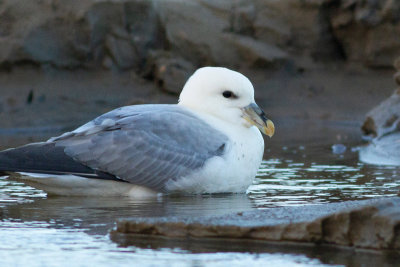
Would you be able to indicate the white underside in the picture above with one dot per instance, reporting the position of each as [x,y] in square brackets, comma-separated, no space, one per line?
[71,185]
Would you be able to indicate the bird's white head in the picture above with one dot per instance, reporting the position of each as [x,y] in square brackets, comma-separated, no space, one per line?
[226,94]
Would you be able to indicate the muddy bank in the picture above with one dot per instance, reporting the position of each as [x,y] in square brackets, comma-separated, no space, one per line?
[32,97]
[370,224]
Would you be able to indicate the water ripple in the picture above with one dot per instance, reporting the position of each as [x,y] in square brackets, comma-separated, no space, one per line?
[282,182]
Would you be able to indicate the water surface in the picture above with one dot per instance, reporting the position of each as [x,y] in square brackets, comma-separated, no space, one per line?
[299,169]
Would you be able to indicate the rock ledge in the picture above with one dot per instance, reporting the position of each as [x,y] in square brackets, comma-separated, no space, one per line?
[369,224]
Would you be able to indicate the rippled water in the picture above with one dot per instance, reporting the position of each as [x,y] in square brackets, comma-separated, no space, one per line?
[72,231]
[285,182]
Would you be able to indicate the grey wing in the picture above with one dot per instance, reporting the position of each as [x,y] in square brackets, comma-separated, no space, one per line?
[145,145]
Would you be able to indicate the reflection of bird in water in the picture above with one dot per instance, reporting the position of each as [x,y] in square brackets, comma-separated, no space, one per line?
[98,217]
[204,144]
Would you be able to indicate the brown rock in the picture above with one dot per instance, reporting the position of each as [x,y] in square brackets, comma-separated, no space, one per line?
[256,53]
[168,71]
[342,19]
[382,45]
[383,119]
[271,27]
[369,127]
[396,77]
[289,24]
[397,63]
[368,31]
[397,74]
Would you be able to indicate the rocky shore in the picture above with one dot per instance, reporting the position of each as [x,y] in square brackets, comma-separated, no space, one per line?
[382,129]
[318,60]
[369,224]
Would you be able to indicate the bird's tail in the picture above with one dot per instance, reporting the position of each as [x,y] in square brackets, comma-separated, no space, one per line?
[46,158]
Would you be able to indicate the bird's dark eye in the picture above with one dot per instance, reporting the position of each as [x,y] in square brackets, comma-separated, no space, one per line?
[228,94]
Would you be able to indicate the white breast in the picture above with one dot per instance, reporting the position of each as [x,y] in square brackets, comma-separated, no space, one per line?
[235,170]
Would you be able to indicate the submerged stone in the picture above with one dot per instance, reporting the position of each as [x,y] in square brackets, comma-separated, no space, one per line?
[370,224]
[338,148]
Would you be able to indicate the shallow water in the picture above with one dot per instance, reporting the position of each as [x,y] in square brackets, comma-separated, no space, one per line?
[299,169]
[287,182]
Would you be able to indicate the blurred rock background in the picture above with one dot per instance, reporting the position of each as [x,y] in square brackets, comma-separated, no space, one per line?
[65,62]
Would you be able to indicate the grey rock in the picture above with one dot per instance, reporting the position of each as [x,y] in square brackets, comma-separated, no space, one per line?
[168,71]
[143,26]
[75,34]
[242,18]
[195,33]
[125,31]
[215,40]
[122,52]
[102,18]
[370,224]
[58,42]
[262,34]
